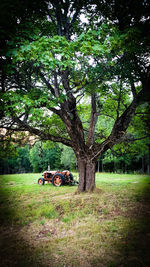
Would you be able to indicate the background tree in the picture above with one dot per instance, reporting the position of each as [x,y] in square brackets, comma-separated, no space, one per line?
[16,160]
[61,62]
[68,159]
[43,155]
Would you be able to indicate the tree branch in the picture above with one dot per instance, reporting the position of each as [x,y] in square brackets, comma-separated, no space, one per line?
[120,126]
[133,89]
[119,100]
[78,5]
[21,125]
[47,83]
[93,120]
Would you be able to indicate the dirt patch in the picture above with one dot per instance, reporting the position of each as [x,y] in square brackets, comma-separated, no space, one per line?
[139,209]
[98,190]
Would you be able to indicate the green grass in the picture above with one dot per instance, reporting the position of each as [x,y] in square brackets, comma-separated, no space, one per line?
[51,226]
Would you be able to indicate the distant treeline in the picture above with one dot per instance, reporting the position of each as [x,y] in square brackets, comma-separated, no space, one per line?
[124,158]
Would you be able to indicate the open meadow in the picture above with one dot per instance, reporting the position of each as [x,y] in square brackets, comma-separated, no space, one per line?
[56,227]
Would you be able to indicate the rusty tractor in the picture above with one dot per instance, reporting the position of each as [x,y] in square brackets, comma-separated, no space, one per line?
[57,178]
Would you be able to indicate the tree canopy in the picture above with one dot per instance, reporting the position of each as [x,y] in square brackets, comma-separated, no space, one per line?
[63,55]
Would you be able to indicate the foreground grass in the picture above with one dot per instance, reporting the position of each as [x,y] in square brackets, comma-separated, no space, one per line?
[49,226]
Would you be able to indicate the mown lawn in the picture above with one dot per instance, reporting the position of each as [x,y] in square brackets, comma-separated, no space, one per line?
[56,227]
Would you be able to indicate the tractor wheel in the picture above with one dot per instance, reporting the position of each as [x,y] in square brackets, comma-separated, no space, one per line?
[58,179]
[71,176]
[41,181]
[71,182]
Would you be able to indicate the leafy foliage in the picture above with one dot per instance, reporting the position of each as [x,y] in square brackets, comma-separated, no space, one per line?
[53,63]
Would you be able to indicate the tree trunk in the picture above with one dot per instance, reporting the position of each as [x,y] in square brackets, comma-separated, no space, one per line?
[86,168]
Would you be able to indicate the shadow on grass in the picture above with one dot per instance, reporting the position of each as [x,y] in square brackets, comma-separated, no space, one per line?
[14,250]
[135,249]
[135,246]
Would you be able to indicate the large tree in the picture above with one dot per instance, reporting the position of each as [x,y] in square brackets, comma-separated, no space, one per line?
[76,52]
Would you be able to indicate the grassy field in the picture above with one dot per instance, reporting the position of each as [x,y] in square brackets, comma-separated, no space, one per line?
[56,227]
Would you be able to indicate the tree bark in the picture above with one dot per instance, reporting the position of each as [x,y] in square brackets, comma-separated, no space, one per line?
[86,168]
